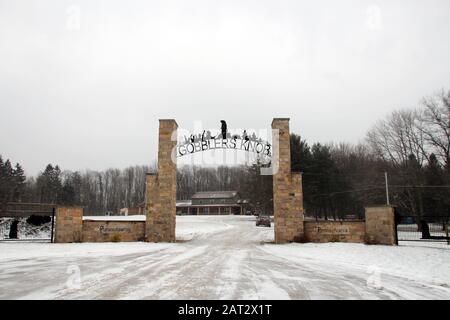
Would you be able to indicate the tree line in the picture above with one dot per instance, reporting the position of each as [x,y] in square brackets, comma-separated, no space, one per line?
[97,191]
[411,145]
[12,182]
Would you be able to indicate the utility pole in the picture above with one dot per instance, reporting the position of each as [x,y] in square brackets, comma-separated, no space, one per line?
[387,188]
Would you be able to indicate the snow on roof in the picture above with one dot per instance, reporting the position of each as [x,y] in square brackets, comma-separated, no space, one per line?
[184,203]
[215,195]
[115,218]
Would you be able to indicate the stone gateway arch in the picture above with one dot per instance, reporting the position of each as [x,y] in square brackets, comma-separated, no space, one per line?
[161,187]
[379,226]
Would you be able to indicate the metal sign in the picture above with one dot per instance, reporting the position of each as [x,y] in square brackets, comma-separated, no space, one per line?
[224,140]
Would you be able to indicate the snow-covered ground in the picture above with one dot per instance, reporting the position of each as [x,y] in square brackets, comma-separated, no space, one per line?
[227,257]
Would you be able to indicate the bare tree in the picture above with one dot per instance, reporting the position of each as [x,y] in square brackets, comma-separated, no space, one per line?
[400,141]
[398,137]
[436,129]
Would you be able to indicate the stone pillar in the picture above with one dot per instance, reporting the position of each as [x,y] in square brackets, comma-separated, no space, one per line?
[380,225]
[287,188]
[69,224]
[162,188]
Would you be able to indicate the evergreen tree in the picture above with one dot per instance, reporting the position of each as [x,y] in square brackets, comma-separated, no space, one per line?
[12,182]
[19,182]
[258,189]
[67,193]
[49,184]
[301,159]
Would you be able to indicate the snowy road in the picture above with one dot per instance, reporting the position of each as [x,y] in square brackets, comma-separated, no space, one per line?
[234,262]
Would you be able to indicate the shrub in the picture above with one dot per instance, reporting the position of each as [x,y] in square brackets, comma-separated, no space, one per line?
[301,239]
[38,220]
[335,238]
[116,238]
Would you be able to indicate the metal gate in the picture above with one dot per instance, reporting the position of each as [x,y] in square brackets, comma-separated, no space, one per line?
[27,222]
[426,228]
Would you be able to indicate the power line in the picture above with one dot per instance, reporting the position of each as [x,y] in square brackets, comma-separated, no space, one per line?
[346,174]
[372,188]
[399,186]
[348,191]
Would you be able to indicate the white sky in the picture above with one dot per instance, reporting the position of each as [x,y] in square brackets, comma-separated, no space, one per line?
[83,83]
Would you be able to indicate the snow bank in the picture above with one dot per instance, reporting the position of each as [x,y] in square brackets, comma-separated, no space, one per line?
[24,229]
[412,262]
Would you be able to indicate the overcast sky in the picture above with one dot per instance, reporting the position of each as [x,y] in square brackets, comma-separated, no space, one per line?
[83,83]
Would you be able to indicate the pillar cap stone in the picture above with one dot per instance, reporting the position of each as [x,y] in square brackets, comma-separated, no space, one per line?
[70,207]
[381,206]
[280,119]
[168,120]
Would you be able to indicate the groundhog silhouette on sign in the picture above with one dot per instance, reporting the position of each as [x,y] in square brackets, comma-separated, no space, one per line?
[224,129]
